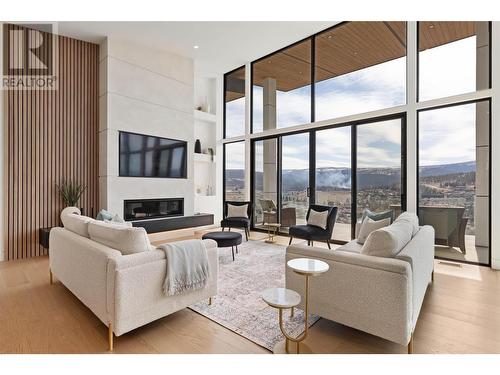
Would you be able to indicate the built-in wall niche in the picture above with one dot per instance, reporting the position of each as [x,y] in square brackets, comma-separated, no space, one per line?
[205,129]
[205,95]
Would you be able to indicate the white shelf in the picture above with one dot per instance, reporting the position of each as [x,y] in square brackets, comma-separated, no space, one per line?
[203,158]
[205,116]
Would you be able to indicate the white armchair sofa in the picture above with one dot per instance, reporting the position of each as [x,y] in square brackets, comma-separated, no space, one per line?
[124,291]
[379,295]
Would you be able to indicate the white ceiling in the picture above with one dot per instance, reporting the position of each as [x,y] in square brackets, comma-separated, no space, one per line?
[223,46]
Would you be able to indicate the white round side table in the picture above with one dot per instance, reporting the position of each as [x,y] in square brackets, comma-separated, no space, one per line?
[282,298]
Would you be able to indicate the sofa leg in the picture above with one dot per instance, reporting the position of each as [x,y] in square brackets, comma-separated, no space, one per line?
[312,243]
[410,345]
[209,301]
[110,336]
[51,277]
[432,276]
[328,243]
[290,242]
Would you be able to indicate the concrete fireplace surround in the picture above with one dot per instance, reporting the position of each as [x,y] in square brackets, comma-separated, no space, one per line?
[145,91]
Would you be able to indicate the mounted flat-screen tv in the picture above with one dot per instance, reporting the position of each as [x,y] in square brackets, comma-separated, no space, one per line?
[148,156]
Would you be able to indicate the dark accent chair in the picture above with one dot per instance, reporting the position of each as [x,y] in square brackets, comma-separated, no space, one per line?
[237,222]
[313,233]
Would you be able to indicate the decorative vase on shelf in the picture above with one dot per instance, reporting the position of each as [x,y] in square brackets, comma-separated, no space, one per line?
[197,147]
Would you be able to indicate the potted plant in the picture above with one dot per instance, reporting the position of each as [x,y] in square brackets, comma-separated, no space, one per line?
[71,192]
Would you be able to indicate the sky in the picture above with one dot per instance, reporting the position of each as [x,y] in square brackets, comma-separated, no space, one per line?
[445,70]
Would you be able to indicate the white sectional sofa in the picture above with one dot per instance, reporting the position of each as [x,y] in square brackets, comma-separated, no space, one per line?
[379,295]
[124,291]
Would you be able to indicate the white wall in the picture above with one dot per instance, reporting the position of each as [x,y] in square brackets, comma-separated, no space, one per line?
[219,148]
[145,91]
[2,133]
[495,148]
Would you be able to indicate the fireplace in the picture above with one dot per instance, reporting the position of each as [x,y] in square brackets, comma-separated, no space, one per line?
[142,209]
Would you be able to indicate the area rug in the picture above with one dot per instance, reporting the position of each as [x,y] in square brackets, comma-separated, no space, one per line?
[238,305]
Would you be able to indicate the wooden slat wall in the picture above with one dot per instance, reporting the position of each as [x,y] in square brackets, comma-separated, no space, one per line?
[51,136]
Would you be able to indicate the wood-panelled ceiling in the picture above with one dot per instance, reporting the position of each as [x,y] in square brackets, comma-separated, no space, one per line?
[238,75]
[347,48]
[434,34]
[357,45]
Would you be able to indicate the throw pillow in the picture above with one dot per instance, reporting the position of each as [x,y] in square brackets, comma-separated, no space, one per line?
[127,240]
[76,223]
[318,218]
[237,211]
[377,216]
[104,215]
[368,225]
[412,219]
[388,241]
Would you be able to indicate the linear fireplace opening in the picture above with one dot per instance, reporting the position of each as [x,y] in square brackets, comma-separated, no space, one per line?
[142,209]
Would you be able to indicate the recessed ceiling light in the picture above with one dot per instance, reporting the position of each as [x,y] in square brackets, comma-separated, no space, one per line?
[329,37]
[355,53]
[196,47]
[431,26]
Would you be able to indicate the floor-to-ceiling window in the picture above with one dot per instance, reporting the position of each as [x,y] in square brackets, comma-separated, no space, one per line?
[234,171]
[333,176]
[265,182]
[359,67]
[453,142]
[234,103]
[281,88]
[454,179]
[347,95]
[378,166]
[295,167]
[282,185]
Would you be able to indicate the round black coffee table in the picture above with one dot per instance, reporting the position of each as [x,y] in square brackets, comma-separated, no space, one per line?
[225,239]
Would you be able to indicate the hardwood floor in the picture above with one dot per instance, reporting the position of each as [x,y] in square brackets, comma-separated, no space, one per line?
[461,314]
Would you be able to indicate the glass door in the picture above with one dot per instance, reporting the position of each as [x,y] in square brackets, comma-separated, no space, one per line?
[353,167]
[265,182]
[333,176]
[379,161]
[454,184]
[294,180]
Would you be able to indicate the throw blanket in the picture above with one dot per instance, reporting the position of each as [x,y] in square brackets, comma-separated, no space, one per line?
[187,266]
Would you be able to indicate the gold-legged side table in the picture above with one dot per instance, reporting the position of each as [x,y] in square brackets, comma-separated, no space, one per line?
[282,298]
[272,228]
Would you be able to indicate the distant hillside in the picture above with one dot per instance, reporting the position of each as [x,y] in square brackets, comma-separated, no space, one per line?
[440,170]
[340,178]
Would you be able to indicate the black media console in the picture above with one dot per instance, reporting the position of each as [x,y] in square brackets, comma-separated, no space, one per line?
[173,223]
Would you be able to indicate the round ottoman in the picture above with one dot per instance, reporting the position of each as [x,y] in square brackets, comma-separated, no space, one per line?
[225,239]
